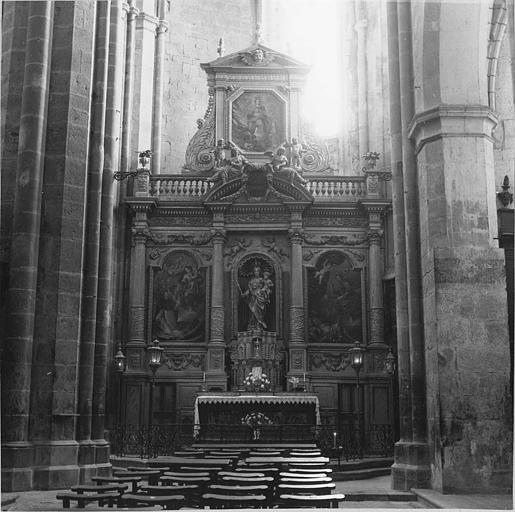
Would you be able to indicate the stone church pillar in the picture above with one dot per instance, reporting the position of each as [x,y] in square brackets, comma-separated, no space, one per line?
[21,303]
[215,374]
[399,237]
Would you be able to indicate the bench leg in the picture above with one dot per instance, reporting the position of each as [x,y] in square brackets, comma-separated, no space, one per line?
[66,503]
[82,504]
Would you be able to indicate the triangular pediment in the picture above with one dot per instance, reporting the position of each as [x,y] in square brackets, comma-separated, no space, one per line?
[255,56]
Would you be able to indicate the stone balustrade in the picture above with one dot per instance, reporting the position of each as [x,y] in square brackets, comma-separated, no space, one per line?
[181,187]
[337,188]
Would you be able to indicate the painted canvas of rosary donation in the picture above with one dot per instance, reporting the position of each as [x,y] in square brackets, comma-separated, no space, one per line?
[179,299]
[258,121]
[256,286]
[334,301]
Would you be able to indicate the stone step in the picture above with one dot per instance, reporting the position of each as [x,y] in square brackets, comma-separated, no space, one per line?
[360,474]
[384,462]
[380,496]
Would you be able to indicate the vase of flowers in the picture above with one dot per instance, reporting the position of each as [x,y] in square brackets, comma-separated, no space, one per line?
[256,383]
[255,420]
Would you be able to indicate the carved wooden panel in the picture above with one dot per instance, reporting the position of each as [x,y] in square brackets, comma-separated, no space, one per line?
[133,412]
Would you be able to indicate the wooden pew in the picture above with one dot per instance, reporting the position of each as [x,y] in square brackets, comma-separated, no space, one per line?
[295,501]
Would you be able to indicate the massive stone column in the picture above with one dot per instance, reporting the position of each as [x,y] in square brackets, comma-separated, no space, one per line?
[103,334]
[17,352]
[157,123]
[143,85]
[399,239]
[92,239]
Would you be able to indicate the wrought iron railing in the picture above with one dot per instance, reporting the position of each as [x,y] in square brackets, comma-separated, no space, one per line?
[350,442]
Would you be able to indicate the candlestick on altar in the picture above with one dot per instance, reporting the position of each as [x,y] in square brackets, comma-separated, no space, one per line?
[204,377]
[304,377]
[334,439]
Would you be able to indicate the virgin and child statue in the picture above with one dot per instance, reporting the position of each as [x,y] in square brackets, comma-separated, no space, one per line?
[257,295]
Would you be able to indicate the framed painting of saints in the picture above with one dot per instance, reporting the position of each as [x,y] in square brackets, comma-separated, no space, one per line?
[258,121]
[179,299]
[335,305]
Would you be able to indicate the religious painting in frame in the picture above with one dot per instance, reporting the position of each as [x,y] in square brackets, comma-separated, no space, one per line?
[179,305]
[335,313]
[258,121]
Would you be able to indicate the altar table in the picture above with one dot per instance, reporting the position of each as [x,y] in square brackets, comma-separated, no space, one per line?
[219,417]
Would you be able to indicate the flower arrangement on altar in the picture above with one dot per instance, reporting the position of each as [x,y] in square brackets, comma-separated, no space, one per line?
[257,383]
[255,420]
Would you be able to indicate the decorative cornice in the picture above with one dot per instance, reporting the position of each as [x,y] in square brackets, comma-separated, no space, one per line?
[444,121]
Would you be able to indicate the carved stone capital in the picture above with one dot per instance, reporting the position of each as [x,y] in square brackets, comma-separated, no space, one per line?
[375,236]
[140,233]
[219,236]
[295,236]
[443,121]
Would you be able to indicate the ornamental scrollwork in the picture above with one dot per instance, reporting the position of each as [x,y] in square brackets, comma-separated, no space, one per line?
[335,239]
[330,362]
[199,153]
[239,245]
[271,246]
[179,362]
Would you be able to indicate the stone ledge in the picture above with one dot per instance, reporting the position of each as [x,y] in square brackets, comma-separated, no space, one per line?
[444,121]
[459,501]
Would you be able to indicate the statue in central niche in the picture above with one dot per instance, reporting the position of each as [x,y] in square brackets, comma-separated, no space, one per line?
[257,295]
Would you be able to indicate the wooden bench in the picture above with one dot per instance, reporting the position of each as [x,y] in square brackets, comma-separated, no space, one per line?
[133,469]
[134,480]
[172,501]
[213,500]
[302,488]
[266,470]
[327,471]
[202,469]
[186,473]
[310,480]
[151,475]
[189,454]
[81,489]
[267,480]
[190,492]
[82,499]
[240,474]
[315,501]
[291,474]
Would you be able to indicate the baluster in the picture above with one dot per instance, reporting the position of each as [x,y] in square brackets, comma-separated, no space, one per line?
[317,190]
[353,188]
[335,189]
[330,192]
[190,187]
[196,187]
[346,188]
